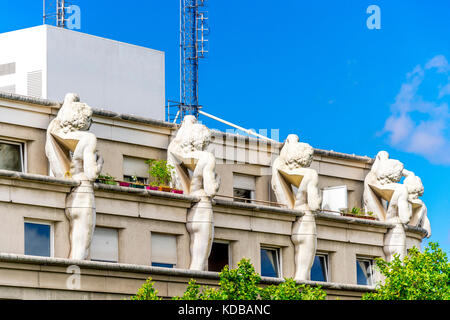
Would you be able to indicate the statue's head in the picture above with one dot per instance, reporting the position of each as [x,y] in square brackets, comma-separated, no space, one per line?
[74,115]
[382,155]
[193,136]
[189,120]
[200,137]
[414,185]
[389,171]
[71,97]
[292,138]
[296,154]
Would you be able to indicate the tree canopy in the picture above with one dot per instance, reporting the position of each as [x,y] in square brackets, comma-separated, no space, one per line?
[241,283]
[419,276]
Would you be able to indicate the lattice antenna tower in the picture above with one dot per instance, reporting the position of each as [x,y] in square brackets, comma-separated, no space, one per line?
[193,47]
[55,12]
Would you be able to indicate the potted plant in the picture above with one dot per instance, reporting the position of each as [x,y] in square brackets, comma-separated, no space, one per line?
[359,213]
[135,183]
[162,174]
[124,184]
[106,179]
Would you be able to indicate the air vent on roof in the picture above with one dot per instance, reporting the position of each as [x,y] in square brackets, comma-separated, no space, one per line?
[34,82]
[7,68]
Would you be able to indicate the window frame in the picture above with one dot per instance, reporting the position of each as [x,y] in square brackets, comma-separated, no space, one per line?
[118,245]
[23,152]
[252,190]
[278,258]
[144,180]
[371,262]
[174,265]
[133,166]
[230,260]
[241,199]
[52,234]
[330,189]
[326,257]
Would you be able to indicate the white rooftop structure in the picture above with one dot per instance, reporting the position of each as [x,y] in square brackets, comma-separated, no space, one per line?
[47,62]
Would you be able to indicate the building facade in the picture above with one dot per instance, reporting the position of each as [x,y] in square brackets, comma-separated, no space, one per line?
[141,233]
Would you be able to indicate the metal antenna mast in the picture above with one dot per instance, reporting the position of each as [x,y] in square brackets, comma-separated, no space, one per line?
[193,46]
[55,12]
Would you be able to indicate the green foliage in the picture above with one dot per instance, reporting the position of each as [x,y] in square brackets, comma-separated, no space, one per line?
[290,290]
[419,276]
[107,179]
[147,292]
[239,284]
[242,284]
[161,171]
[360,212]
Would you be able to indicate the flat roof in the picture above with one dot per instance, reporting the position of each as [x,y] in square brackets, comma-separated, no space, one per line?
[87,35]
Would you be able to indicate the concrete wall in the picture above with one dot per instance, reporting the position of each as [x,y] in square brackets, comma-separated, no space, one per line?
[36,278]
[107,74]
[137,213]
[26,48]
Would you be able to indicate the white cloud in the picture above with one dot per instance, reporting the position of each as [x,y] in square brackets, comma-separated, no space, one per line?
[419,126]
[440,63]
[445,91]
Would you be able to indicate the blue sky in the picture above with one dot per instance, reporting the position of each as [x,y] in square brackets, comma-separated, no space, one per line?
[312,68]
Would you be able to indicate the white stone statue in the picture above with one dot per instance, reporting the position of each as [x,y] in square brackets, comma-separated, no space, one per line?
[71,151]
[194,173]
[291,169]
[394,202]
[383,194]
[415,189]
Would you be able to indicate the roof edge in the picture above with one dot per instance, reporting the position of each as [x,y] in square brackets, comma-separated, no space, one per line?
[129,117]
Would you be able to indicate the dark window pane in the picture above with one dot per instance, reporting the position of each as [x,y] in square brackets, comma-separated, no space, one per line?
[163,265]
[242,193]
[363,272]
[10,157]
[269,263]
[318,270]
[37,239]
[218,257]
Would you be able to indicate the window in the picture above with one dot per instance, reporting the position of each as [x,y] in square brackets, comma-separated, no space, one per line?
[138,179]
[11,156]
[270,262]
[219,257]
[244,187]
[319,270]
[364,272]
[164,250]
[38,239]
[135,167]
[105,245]
[334,199]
